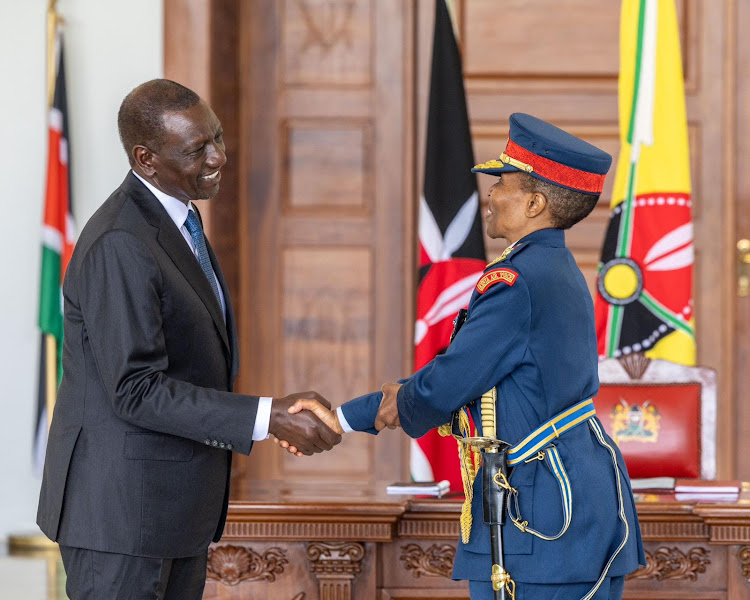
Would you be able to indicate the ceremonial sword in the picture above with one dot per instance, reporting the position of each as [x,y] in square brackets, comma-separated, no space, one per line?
[495,486]
[495,474]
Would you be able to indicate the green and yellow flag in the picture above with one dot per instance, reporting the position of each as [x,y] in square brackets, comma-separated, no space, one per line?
[644,289]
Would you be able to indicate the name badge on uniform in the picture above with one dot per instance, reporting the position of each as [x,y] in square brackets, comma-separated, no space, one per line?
[493,277]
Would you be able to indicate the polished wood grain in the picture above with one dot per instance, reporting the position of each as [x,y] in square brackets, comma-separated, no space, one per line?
[322,218]
[737,172]
[313,179]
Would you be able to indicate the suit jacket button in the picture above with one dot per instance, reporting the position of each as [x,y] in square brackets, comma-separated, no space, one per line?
[229,446]
[222,445]
[214,443]
[207,442]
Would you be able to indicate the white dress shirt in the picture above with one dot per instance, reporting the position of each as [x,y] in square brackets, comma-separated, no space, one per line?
[178,212]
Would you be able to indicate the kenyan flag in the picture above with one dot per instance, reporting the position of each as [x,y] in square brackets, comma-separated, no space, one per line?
[451,247]
[644,289]
[58,239]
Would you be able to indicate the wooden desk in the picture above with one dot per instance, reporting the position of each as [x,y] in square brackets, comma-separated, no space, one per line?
[346,543]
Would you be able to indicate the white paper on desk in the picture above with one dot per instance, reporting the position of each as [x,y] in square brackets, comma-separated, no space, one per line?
[700,486]
[711,497]
[427,488]
[653,483]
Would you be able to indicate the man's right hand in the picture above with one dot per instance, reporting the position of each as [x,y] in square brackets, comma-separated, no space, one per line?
[305,431]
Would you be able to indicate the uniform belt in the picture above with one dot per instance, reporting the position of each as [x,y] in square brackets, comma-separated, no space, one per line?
[550,430]
[533,445]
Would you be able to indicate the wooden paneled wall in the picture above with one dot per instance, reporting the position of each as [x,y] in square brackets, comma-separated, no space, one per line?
[324,105]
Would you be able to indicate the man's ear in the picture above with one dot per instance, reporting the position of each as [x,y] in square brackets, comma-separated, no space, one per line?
[536,205]
[145,160]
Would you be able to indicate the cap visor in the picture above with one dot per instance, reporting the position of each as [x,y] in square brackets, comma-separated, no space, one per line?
[496,171]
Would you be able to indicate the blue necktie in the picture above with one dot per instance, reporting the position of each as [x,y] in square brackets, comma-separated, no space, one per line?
[193,225]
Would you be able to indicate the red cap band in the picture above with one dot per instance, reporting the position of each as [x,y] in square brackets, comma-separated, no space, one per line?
[556,172]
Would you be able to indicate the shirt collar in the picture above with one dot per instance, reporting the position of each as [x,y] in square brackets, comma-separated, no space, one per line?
[176,209]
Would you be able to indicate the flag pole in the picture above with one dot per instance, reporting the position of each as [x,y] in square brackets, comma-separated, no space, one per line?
[53,20]
[51,375]
[36,544]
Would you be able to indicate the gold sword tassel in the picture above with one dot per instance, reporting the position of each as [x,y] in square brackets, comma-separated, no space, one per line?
[468,457]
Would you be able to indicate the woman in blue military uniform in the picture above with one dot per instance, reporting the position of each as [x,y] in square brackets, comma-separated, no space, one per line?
[572,530]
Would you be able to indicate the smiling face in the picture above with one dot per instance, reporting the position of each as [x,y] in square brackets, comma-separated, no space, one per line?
[513,210]
[505,215]
[188,164]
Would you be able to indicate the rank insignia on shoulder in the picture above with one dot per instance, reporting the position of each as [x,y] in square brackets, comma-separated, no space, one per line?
[506,253]
[489,279]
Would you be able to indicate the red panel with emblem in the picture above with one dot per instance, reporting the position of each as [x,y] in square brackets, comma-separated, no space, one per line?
[657,427]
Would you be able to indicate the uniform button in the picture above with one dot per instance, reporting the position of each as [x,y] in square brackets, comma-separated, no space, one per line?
[214,443]
[222,445]
[229,446]
[207,442]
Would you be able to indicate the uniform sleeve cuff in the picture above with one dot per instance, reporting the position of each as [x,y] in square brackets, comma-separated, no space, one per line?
[343,422]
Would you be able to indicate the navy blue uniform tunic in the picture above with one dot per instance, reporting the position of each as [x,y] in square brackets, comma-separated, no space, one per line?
[530,334]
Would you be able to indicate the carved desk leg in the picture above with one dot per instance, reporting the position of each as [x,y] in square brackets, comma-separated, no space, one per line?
[744,557]
[335,565]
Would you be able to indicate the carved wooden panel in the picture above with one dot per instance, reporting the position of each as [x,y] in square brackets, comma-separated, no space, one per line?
[266,529]
[429,529]
[250,570]
[434,561]
[418,563]
[327,42]
[234,564]
[335,565]
[672,563]
[328,165]
[390,565]
[676,530]
[743,556]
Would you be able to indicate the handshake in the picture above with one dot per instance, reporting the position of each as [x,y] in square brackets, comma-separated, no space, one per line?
[304,424]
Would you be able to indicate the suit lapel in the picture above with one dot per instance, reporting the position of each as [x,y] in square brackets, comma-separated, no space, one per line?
[231,325]
[177,249]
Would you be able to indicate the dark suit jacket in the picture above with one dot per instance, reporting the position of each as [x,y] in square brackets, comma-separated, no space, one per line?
[139,449]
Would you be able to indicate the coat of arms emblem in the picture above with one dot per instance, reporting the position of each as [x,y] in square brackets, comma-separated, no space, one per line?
[635,422]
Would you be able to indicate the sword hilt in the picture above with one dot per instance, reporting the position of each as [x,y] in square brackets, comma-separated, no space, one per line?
[487,408]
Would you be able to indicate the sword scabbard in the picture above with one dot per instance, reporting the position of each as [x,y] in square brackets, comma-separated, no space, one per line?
[495,472]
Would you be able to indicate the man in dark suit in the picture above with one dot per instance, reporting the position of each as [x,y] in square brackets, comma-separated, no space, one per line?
[136,480]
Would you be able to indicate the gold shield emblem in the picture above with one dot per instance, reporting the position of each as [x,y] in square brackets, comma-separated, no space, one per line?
[635,422]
